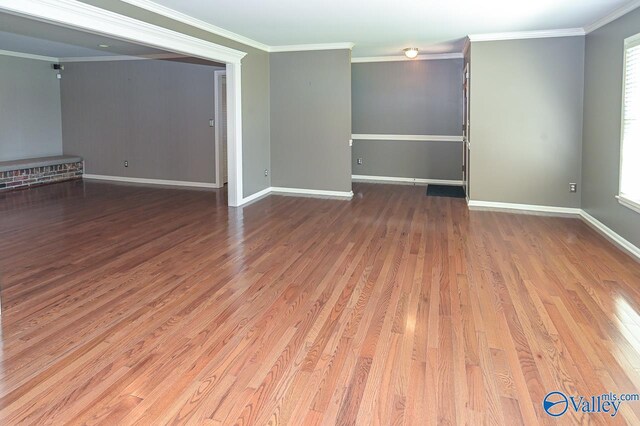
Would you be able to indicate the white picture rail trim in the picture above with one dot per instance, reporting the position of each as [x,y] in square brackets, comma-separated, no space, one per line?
[414,138]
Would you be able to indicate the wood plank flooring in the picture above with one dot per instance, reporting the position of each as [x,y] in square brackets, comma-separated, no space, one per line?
[140,305]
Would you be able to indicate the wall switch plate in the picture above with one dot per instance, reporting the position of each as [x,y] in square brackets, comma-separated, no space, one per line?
[266,172]
[359,161]
[350,142]
[573,187]
[126,163]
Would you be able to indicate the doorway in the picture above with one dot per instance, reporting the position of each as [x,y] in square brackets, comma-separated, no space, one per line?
[220,127]
[92,19]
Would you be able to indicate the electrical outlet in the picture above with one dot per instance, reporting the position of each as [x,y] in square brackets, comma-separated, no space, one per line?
[126,163]
[573,187]
[266,172]
[359,161]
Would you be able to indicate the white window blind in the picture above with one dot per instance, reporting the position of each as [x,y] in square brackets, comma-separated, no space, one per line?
[630,151]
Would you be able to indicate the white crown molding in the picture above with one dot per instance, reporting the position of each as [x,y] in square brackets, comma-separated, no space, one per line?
[149,181]
[312,192]
[611,235]
[99,21]
[405,180]
[414,138]
[305,47]
[612,16]
[28,56]
[529,208]
[519,35]
[196,23]
[155,56]
[105,58]
[425,57]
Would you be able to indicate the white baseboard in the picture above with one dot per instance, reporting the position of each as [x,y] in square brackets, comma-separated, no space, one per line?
[150,181]
[245,200]
[312,192]
[297,191]
[255,196]
[528,208]
[611,235]
[594,223]
[405,180]
[607,232]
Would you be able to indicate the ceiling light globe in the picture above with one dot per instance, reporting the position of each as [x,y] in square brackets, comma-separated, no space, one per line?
[411,52]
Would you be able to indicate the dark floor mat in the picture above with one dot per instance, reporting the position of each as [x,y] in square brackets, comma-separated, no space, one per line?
[445,191]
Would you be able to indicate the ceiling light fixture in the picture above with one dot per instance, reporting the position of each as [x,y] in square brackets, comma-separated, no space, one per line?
[104,46]
[410,52]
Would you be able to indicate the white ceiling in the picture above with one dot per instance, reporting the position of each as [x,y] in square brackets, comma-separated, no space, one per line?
[23,35]
[384,27]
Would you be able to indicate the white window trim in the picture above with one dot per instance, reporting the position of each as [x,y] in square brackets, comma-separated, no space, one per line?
[622,199]
[628,203]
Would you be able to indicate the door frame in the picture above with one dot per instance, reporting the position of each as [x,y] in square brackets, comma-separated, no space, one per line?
[217,108]
[84,17]
[466,121]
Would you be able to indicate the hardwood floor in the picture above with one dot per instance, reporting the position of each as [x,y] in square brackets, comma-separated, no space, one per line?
[138,305]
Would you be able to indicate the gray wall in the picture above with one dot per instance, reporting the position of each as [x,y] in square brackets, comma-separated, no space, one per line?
[602,116]
[408,98]
[311,119]
[154,114]
[526,120]
[255,91]
[29,109]
[408,159]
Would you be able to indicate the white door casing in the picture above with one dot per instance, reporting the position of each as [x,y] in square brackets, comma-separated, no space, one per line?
[223,134]
[465,129]
[220,124]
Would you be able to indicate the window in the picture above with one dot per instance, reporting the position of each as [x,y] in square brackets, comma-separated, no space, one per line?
[630,145]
